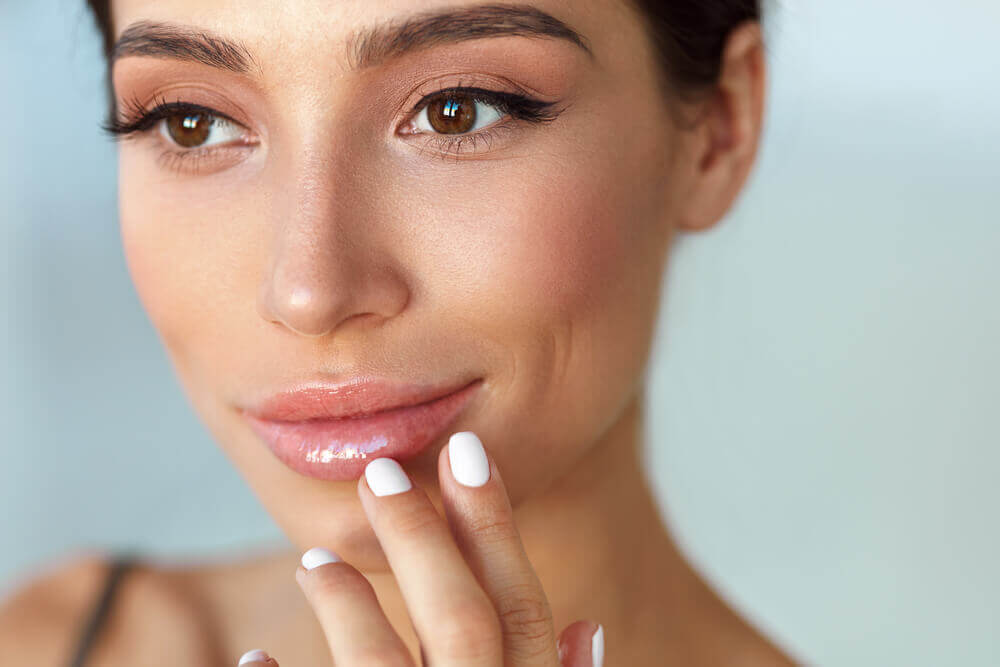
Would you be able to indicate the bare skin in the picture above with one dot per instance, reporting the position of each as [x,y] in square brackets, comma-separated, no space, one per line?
[287,254]
[648,597]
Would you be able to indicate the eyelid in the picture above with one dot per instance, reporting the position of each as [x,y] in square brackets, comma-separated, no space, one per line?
[137,121]
[468,91]
[135,118]
[516,104]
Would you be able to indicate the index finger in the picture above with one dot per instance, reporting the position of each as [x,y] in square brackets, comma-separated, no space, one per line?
[481,518]
[452,615]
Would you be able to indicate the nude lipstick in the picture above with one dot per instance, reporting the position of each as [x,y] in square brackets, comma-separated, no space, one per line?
[331,432]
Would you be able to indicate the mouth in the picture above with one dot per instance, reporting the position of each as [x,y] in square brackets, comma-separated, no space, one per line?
[332,432]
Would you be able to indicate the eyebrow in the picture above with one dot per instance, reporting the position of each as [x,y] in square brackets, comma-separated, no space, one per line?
[372,46]
[365,48]
[169,40]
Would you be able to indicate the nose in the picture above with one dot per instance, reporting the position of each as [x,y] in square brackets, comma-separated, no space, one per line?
[325,266]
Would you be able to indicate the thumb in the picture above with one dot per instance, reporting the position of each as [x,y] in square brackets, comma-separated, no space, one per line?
[581,644]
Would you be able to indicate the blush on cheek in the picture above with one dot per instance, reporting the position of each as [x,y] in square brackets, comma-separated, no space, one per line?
[150,276]
[560,254]
[162,265]
[574,268]
[193,256]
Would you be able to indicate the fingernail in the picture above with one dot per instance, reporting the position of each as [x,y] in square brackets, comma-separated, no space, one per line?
[385,477]
[256,655]
[318,556]
[597,646]
[468,459]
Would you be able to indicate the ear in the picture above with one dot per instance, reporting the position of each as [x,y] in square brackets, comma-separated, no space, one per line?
[727,131]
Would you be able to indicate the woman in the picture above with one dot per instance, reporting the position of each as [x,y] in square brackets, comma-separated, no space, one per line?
[406,259]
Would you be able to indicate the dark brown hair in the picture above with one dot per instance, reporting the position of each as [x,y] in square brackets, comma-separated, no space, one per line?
[689,36]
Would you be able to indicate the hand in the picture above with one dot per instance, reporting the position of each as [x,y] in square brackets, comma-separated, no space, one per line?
[471,592]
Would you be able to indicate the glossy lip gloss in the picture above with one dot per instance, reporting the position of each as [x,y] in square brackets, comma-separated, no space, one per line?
[332,432]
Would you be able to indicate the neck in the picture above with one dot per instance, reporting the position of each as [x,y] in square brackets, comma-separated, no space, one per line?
[595,537]
[603,552]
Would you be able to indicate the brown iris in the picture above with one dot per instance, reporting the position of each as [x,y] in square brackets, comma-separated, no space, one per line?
[189,130]
[452,114]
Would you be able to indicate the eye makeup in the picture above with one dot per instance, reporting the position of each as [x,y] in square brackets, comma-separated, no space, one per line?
[135,119]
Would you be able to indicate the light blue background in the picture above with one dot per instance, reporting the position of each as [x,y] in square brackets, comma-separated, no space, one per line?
[823,414]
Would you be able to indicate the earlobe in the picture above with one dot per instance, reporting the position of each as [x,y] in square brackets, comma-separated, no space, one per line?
[728,131]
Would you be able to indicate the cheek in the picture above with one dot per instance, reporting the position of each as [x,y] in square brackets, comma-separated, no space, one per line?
[560,274]
[155,257]
[585,270]
[185,261]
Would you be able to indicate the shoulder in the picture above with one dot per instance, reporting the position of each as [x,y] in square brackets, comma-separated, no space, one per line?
[152,613]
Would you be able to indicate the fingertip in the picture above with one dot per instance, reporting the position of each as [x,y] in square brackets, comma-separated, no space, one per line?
[468,460]
[316,556]
[597,646]
[385,476]
[581,643]
[444,464]
[255,658]
[312,559]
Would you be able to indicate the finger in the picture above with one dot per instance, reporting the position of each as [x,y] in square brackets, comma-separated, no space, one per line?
[479,513]
[581,644]
[257,658]
[452,616]
[356,628]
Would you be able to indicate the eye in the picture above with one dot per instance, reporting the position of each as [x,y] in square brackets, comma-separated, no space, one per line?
[455,120]
[198,129]
[456,114]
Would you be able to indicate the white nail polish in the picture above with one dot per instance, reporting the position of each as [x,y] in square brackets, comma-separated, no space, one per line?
[468,459]
[256,655]
[597,646]
[386,477]
[318,556]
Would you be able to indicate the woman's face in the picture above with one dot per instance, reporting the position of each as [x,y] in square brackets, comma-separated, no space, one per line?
[345,238]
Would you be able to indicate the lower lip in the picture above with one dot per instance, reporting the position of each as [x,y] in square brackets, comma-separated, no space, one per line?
[339,449]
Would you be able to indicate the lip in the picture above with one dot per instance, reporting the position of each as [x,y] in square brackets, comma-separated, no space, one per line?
[331,432]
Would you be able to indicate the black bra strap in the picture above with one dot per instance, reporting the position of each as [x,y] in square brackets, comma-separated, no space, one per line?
[120,564]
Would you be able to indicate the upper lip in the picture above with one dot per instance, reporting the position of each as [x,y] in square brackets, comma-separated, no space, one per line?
[355,398]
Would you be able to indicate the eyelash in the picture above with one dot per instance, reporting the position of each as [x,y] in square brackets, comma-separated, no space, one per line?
[136,120]
[518,107]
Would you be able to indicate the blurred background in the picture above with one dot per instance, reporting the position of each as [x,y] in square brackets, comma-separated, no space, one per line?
[823,416]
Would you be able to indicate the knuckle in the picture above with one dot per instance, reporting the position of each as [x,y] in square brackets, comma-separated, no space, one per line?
[525,615]
[469,630]
[493,529]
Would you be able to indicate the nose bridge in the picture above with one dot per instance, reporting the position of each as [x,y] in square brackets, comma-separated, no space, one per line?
[324,267]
